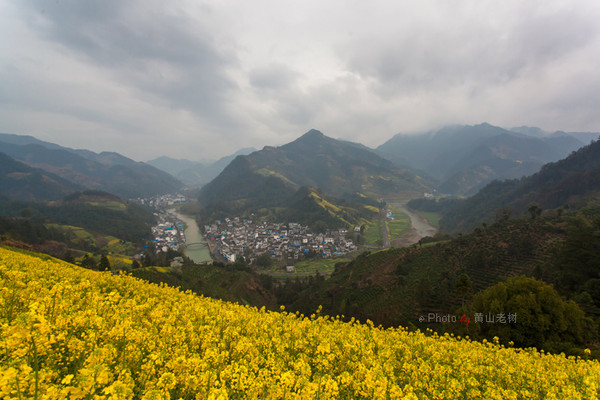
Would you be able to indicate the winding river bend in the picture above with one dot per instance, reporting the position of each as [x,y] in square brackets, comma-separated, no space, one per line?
[420,227]
[196,245]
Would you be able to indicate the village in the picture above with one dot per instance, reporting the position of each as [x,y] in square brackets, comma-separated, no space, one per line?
[234,237]
[230,238]
[168,232]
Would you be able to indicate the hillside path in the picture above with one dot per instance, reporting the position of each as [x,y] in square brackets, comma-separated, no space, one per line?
[384,231]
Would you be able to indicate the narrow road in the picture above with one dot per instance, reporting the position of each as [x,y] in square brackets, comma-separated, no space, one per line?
[384,232]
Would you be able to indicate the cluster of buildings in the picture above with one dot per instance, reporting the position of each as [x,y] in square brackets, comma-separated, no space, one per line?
[163,201]
[233,237]
[168,232]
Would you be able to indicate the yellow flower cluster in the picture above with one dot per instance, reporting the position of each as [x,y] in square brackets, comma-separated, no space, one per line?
[71,333]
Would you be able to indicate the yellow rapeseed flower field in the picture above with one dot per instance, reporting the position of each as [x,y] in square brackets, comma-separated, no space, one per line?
[71,333]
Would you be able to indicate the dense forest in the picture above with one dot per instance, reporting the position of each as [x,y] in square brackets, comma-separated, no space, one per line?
[81,222]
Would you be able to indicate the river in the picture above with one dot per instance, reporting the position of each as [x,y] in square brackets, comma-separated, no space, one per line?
[196,245]
[420,227]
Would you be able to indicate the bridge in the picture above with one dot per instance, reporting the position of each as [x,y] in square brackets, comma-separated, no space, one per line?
[196,244]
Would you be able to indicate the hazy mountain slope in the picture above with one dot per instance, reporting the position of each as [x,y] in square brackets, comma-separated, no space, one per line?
[110,172]
[566,182]
[27,139]
[337,168]
[583,137]
[465,158]
[18,181]
[194,173]
[437,151]
[172,166]
[504,156]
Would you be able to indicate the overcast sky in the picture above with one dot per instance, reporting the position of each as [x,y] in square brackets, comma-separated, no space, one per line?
[198,80]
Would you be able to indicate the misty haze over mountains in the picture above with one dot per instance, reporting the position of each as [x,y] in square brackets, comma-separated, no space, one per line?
[464,158]
[112,172]
[456,160]
[195,173]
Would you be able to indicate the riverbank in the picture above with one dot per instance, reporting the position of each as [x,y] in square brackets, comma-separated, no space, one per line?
[196,246]
[420,227]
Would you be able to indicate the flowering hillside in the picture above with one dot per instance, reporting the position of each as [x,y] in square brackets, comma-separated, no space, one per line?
[70,333]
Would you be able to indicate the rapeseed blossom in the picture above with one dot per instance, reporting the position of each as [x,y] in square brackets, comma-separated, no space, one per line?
[71,333]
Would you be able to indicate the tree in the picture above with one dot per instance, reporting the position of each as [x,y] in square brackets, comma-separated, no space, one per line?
[68,257]
[104,264]
[464,288]
[88,262]
[579,259]
[320,226]
[264,260]
[534,210]
[542,318]
[503,214]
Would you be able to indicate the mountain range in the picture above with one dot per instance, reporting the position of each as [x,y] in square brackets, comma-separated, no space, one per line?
[567,183]
[22,182]
[464,158]
[78,169]
[541,228]
[267,178]
[456,160]
[195,173]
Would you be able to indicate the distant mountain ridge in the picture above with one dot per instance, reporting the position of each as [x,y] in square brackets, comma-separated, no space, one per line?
[465,158]
[570,182]
[194,173]
[107,171]
[266,178]
[19,181]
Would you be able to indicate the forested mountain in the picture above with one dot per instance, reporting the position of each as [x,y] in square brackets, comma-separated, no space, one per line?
[92,210]
[566,183]
[465,158]
[397,286]
[82,222]
[106,171]
[19,181]
[267,178]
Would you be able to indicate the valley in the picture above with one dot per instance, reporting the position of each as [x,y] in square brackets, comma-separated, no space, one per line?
[321,222]
[307,200]
[420,227]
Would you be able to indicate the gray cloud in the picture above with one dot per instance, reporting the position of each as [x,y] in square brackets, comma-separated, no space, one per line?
[467,48]
[159,51]
[190,79]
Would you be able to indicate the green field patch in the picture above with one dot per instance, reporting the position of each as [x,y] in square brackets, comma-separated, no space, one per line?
[372,208]
[398,226]
[433,218]
[80,237]
[111,205]
[268,172]
[162,270]
[118,246]
[373,233]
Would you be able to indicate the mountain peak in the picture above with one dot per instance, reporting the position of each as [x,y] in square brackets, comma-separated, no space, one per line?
[310,138]
[313,133]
